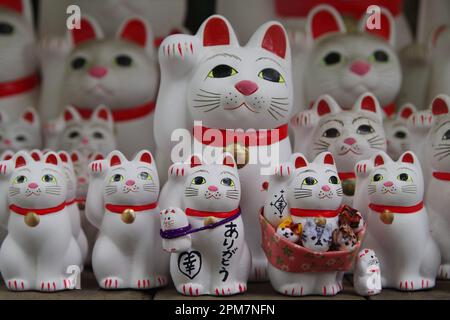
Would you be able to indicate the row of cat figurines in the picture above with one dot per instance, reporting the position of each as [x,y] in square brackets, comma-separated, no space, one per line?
[201,226]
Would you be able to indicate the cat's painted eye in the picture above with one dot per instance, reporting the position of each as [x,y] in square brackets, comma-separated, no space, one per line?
[198,180]
[145,176]
[20,179]
[227,182]
[97,135]
[365,129]
[116,178]
[272,75]
[446,135]
[48,178]
[331,133]
[334,180]
[222,71]
[74,134]
[78,63]
[21,138]
[6,28]
[332,58]
[379,56]
[377,177]
[124,60]
[309,181]
[404,177]
[400,134]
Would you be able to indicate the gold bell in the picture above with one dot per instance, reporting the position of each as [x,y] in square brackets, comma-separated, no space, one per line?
[387,217]
[320,221]
[240,154]
[31,219]
[128,216]
[348,186]
[209,220]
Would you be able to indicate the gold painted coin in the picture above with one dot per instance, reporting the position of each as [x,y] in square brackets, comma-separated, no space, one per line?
[387,217]
[128,216]
[348,186]
[32,219]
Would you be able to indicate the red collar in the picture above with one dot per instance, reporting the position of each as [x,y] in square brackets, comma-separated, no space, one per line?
[19,86]
[216,214]
[225,137]
[124,114]
[396,209]
[40,212]
[442,175]
[346,175]
[303,213]
[70,202]
[116,208]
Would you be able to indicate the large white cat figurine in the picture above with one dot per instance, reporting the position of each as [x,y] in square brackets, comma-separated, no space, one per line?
[217,261]
[39,247]
[23,133]
[304,191]
[437,196]
[398,226]
[210,78]
[122,203]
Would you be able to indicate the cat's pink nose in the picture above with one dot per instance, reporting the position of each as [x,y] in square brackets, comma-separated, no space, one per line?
[326,188]
[82,180]
[130,183]
[360,67]
[350,141]
[213,188]
[33,185]
[85,141]
[246,87]
[388,184]
[7,142]
[98,72]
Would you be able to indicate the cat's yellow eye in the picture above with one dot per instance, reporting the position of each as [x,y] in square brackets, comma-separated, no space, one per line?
[116,178]
[404,177]
[198,180]
[145,176]
[309,181]
[227,182]
[377,177]
[222,71]
[48,178]
[20,179]
[272,75]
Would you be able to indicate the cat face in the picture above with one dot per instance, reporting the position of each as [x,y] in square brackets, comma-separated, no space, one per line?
[350,135]
[397,133]
[173,218]
[367,258]
[315,185]
[316,235]
[241,87]
[95,134]
[37,184]
[98,68]
[80,165]
[212,187]
[396,183]
[438,141]
[18,55]
[346,65]
[22,134]
[132,182]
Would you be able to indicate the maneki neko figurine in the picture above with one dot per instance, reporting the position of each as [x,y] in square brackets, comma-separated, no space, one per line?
[305,198]
[203,229]
[122,203]
[40,250]
[398,224]
[398,137]
[367,273]
[209,78]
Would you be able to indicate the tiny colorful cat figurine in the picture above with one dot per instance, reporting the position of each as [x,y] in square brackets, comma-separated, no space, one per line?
[437,195]
[39,249]
[122,203]
[311,194]
[350,135]
[217,261]
[367,274]
[23,133]
[398,137]
[398,226]
[175,222]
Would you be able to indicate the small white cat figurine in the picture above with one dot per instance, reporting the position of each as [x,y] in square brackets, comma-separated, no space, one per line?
[122,204]
[175,219]
[398,226]
[367,274]
[306,191]
[39,246]
[218,260]
[23,133]
[398,137]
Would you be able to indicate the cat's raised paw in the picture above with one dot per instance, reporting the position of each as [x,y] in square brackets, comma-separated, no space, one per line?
[177,170]
[17,285]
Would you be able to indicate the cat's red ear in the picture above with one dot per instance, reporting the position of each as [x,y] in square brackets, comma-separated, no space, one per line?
[378,161]
[103,114]
[51,158]
[217,31]
[406,111]
[325,104]
[71,114]
[135,30]
[367,102]
[75,156]
[380,23]
[328,159]
[36,155]
[14,5]
[64,156]
[440,105]
[228,160]
[7,155]
[275,40]
[195,161]
[408,157]
[145,156]
[20,162]
[300,161]
[88,31]
[115,161]
[30,116]
[323,20]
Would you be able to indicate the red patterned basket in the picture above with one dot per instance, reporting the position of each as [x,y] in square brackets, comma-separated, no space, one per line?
[291,257]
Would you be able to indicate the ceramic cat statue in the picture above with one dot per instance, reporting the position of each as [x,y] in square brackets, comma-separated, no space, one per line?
[398,226]
[23,133]
[19,81]
[367,275]
[175,219]
[122,203]
[347,64]
[307,192]
[210,78]
[350,135]
[439,79]
[216,259]
[96,69]
[398,137]
[438,190]
[6,155]
[40,246]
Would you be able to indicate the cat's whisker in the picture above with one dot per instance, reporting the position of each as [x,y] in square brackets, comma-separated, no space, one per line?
[206,100]
[444,156]
[280,114]
[214,108]
[440,153]
[280,103]
[268,110]
[279,108]
[280,98]
[206,96]
[206,105]
[209,92]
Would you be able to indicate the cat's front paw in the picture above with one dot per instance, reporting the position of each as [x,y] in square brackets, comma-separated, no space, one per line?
[179,50]
[53,285]
[111,283]
[17,284]
[363,168]
[420,121]
[306,119]
[177,171]
[284,170]
[51,48]
[191,289]
[98,168]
